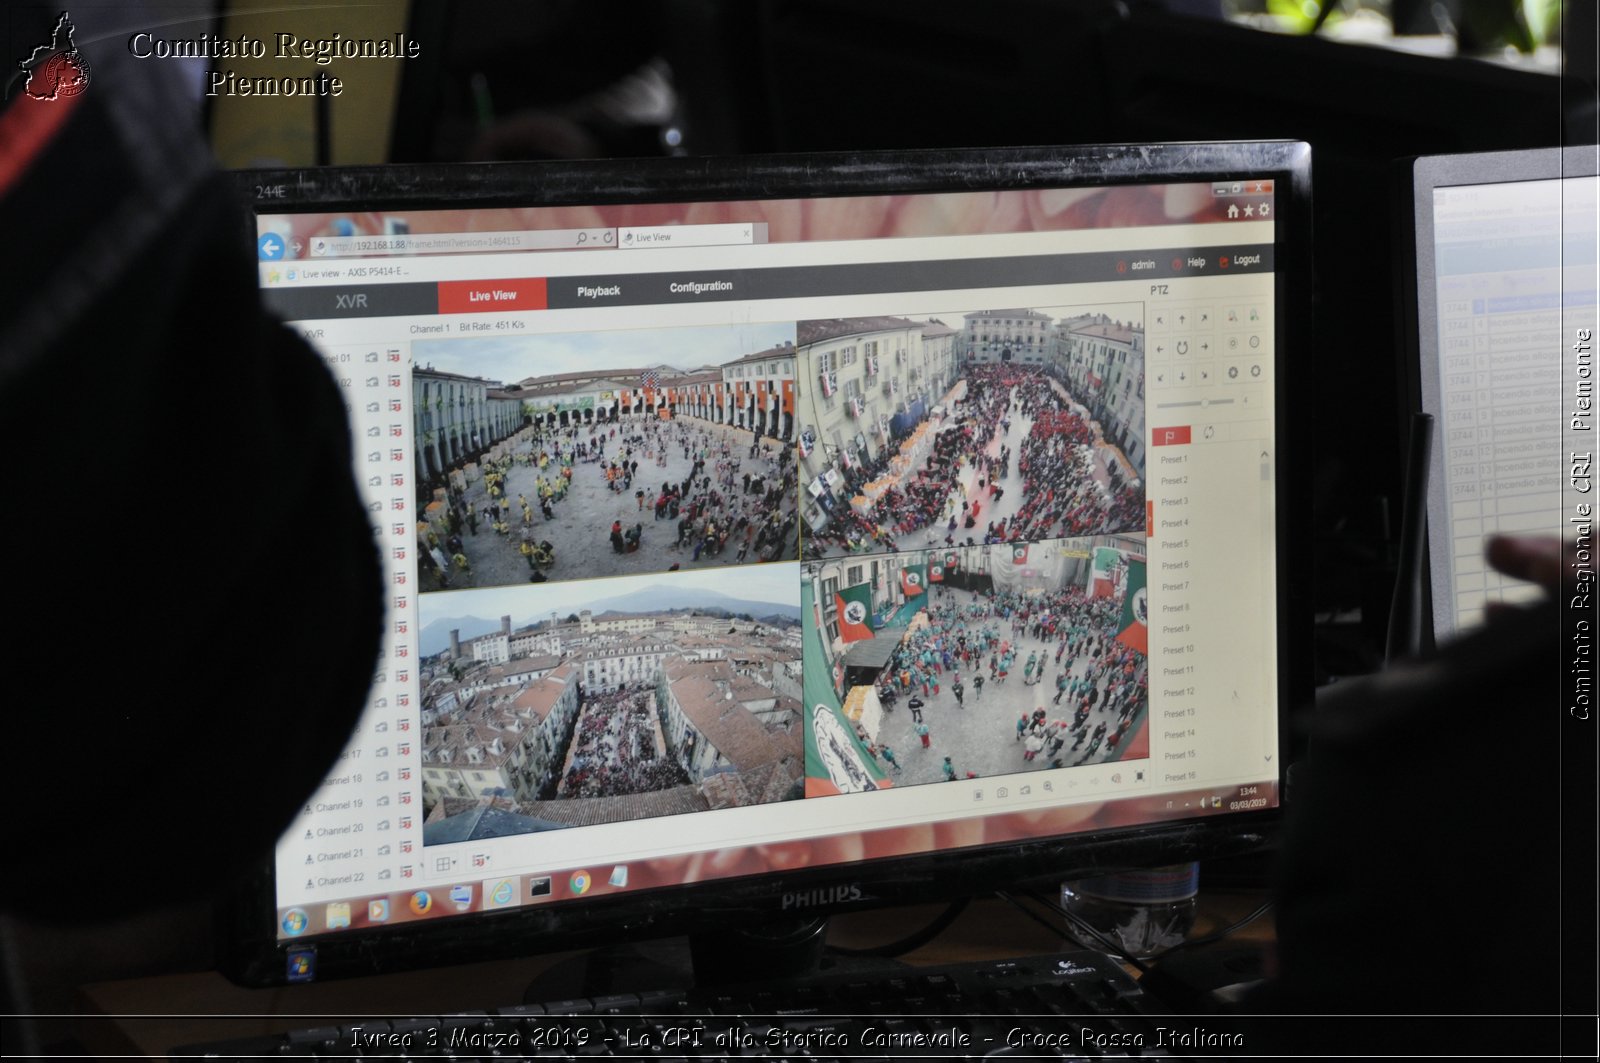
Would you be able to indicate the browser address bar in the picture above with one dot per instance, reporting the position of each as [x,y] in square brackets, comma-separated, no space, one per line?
[459,243]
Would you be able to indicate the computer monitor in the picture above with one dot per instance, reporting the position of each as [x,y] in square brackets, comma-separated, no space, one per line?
[773,537]
[1498,325]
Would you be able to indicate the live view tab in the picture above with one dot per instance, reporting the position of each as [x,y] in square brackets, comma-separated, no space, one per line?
[482,297]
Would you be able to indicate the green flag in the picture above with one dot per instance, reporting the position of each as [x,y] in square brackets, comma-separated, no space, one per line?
[1135,631]
[914,580]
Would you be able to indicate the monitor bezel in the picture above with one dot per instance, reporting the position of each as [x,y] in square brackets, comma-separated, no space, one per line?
[249,950]
[1418,284]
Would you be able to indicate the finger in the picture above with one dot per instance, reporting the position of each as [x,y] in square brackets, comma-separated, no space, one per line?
[1529,557]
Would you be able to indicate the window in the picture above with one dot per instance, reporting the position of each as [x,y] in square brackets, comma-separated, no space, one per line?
[824,361]
[853,575]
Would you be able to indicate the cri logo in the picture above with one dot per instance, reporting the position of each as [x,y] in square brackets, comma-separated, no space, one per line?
[56,70]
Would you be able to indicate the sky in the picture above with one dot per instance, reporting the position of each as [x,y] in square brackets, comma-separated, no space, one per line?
[778,583]
[512,358]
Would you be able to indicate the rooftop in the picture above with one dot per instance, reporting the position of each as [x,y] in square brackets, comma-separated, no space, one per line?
[1118,333]
[817,331]
[785,351]
[702,690]
[1031,314]
[478,821]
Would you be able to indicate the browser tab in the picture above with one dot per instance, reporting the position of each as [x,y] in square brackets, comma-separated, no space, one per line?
[747,232]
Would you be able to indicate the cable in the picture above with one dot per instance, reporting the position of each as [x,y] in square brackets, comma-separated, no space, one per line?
[915,940]
[1217,935]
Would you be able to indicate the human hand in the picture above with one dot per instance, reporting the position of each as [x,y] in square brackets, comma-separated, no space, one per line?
[1535,558]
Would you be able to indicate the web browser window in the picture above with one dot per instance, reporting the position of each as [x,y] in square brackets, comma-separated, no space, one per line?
[1514,290]
[725,538]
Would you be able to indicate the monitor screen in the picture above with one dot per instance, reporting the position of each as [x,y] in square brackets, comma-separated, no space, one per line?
[1504,318]
[766,536]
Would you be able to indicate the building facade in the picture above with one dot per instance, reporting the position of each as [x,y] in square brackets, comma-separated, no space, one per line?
[865,382]
[1102,363]
[632,665]
[501,745]
[759,392]
[755,391]
[455,418]
[1007,336]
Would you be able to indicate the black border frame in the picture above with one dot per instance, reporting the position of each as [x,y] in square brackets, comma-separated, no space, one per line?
[249,951]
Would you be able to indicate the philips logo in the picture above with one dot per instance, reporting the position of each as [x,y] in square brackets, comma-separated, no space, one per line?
[818,897]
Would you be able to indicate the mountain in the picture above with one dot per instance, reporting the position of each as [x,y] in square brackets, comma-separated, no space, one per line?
[659,599]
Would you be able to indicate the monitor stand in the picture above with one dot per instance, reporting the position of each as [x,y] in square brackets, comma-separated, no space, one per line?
[786,950]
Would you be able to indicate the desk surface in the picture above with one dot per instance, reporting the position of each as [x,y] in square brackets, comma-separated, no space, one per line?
[147,1016]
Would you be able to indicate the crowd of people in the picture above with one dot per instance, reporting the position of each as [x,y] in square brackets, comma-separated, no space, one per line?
[616,749]
[721,505]
[1093,689]
[964,475]
[730,495]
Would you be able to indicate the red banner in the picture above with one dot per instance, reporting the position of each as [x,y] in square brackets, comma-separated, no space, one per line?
[788,396]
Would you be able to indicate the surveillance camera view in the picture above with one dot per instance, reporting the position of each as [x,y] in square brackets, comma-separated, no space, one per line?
[537,463]
[968,662]
[609,701]
[966,428]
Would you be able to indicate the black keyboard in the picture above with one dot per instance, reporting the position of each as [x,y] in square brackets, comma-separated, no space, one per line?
[1073,1004]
